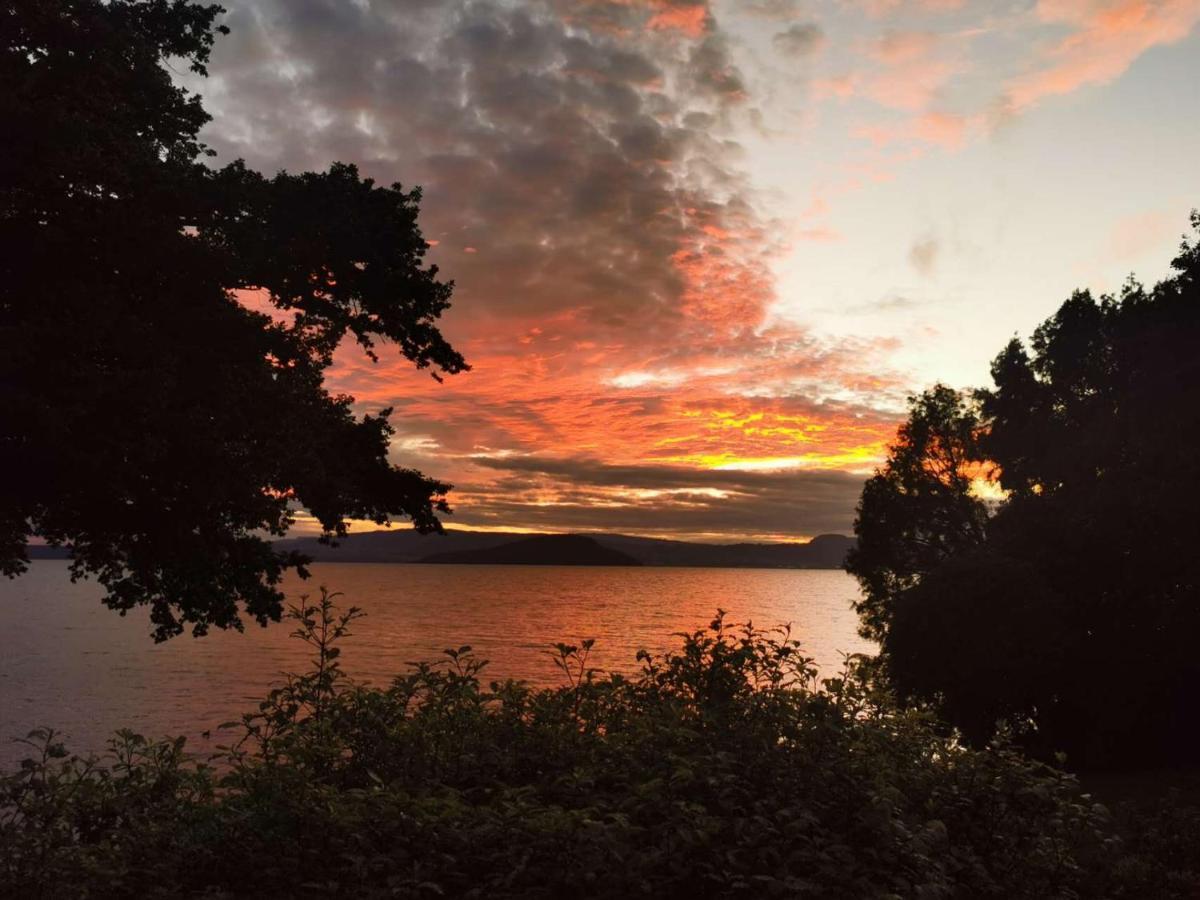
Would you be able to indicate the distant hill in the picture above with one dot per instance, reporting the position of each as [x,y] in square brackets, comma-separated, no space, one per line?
[44,551]
[825,551]
[396,545]
[540,550]
[403,545]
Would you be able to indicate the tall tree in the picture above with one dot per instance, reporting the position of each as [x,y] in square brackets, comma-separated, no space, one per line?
[918,509]
[1080,604]
[151,422]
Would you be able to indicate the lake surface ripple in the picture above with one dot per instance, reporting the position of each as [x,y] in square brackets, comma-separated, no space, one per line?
[69,663]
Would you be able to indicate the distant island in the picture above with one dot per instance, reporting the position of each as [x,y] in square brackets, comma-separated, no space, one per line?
[403,545]
[540,550]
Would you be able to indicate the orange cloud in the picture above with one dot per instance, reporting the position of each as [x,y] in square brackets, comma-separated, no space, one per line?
[690,20]
[621,17]
[744,398]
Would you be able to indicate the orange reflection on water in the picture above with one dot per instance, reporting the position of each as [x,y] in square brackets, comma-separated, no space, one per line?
[71,664]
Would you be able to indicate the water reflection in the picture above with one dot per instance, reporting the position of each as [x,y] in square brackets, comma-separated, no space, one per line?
[71,664]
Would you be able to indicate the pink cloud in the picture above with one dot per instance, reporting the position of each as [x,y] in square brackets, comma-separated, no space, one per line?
[945,130]
[911,86]
[841,86]
[1135,235]
[906,70]
[904,46]
[915,67]
[1108,36]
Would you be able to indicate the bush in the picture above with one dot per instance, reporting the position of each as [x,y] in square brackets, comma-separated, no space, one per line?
[720,769]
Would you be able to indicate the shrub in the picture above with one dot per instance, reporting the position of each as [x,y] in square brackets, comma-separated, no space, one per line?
[720,769]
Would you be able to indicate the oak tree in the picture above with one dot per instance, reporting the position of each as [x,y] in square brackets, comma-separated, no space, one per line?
[152,422]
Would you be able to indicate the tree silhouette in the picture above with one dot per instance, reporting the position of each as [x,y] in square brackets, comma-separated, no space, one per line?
[918,509]
[1080,605]
[150,421]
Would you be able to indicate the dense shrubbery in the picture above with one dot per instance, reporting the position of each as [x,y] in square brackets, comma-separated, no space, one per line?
[720,769]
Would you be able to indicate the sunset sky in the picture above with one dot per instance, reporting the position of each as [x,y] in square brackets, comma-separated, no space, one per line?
[703,250]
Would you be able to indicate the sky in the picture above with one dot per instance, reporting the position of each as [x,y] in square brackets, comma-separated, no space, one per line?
[704,249]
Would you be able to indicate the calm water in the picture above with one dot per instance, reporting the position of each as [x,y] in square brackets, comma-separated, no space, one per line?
[68,662]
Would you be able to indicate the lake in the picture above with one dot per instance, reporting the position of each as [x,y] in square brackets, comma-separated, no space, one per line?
[68,662]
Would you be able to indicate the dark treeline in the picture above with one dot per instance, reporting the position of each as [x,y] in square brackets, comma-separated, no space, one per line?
[1075,602]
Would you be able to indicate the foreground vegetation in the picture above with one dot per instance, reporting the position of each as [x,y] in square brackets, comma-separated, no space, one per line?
[720,769]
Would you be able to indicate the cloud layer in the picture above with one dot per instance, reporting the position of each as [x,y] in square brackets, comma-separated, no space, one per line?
[611,260]
[585,185]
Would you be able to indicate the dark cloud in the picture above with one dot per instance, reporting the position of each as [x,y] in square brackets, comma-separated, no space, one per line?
[595,473]
[567,158]
[890,303]
[770,9]
[712,74]
[656,499]
[896,303]
[799,41]
[923,255]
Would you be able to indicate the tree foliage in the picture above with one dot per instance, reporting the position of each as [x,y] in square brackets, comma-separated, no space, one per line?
[1090,567]
[917,510]
[151,421]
